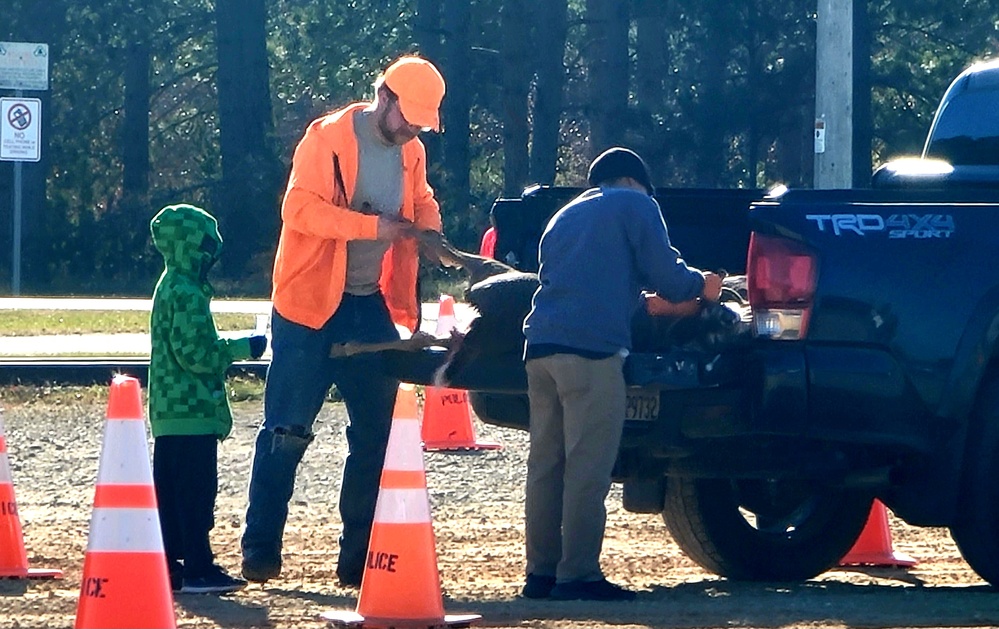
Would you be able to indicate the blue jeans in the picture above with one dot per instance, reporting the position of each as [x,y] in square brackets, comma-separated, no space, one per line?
[298,380]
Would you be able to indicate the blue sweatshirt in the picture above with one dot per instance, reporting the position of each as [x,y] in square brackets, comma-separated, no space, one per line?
[597,254]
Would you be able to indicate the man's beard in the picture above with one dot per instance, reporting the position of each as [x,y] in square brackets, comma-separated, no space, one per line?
[398,137]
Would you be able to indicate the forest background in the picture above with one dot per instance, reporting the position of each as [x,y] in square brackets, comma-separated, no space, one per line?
[153,102]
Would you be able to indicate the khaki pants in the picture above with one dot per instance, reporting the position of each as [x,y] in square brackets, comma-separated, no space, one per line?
[577,414]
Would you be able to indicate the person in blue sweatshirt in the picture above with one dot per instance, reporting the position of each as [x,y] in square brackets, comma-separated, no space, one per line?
[597,255]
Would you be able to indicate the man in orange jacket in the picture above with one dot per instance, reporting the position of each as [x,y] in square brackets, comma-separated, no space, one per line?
[345,270]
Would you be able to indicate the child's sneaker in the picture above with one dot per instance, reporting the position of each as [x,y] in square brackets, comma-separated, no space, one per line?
[176,571]
[215,582]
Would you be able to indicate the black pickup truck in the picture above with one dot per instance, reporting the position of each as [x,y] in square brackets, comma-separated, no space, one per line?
[871,370]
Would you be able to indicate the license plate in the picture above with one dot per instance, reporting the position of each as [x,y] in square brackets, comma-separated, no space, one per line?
[643,405]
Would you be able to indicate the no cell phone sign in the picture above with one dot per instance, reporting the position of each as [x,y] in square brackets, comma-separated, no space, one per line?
[20,125]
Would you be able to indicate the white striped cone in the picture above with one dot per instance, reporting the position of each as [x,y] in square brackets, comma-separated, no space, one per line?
[125,577]
[446,320]
[401,585]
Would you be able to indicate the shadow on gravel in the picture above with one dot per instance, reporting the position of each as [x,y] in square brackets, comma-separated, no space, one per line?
[238,611]
[13,587]
[222,610]
[346,601]
[763,606]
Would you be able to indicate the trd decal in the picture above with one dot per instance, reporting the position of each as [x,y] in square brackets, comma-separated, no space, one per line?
[921,226]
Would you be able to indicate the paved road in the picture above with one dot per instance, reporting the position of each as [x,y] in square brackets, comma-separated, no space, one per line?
[138,344]
[236,306]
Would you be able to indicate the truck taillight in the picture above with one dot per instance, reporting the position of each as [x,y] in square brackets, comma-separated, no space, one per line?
[780,278]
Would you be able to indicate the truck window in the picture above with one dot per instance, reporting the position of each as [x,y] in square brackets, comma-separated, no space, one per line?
[967,129]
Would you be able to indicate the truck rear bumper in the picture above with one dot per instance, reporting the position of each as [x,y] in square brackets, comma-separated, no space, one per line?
[806,394]
[757,396]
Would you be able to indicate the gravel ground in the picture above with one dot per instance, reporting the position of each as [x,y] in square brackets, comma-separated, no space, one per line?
[477,504]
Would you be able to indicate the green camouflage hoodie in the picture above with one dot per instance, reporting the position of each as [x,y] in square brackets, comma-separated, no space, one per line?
[188,361]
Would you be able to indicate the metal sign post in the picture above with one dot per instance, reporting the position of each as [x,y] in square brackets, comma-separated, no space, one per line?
[15,264]
[23,66]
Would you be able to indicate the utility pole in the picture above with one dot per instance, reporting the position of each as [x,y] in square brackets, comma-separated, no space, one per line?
[834,99]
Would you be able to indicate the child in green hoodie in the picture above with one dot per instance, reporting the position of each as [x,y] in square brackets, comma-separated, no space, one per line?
[188,403]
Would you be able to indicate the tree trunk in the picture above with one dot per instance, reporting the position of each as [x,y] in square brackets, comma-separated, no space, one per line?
[711,106]
[754,78]
[607,43]
[428,38]
[135,132]
[44,22]
[250,186]
[516,85]
[457,103]
[650,54]
[550,39]
[651,69]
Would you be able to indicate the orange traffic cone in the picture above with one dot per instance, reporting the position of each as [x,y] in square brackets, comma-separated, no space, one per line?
[401,585]
[447,417]
[125,578]
[447,422]
[13,557]
[874,546]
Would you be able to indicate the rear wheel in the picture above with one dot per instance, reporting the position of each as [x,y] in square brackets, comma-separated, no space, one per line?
[763,530]
[976,530]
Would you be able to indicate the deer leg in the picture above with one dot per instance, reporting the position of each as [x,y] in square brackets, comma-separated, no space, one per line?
[418,341]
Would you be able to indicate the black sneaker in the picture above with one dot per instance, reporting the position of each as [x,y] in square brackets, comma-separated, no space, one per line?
[538,586]
[259,568]
[216,582]
[176,570]
[602,590]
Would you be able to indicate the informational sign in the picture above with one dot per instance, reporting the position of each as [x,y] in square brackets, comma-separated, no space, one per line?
[820,135]
[20,129]
[24,66]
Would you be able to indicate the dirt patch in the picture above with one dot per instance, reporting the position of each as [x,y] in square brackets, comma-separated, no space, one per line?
[477,505]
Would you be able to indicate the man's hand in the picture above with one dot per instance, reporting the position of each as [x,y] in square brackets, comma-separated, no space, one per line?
[393,228]
[431,245]
[712,286]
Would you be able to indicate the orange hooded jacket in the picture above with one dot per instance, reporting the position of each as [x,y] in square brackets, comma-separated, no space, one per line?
[310,267]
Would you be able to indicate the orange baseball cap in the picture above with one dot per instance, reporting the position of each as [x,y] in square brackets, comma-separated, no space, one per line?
[420,88]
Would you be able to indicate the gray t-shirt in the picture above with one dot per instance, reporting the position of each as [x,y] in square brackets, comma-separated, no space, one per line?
[379,185]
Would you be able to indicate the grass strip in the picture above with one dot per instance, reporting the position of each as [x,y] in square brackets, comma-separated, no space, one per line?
[45,322]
